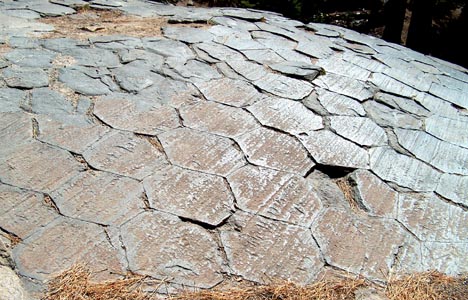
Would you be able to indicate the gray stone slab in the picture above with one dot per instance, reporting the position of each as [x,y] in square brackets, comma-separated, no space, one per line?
[34,166]
[187,34]
[307,71]
[241,44]
[362,131]
[129,55]
[93,57]
[51,10]
[138,116]
[134,76]
[315,48]
[319,29]
[219,52]
[100,197]
[328,148]
[392,86]
[452,130]
[220,31]
[27,78]
[74,134]
[402,104]
[22,212]
[63,44]
[442,155]
[454,187]
[116,42]
[264,249]
[345,86]
[189,194]
[432,219]
[285,87]
[234,23]
[11,99]
[80,82]
[31,58]
[451,257]
[22,13]
[249,70]
[124,153]
[189,257]
[452,95]
[201,151]
[403,170]
[243,14]
[168,48]
[195,71]
[272,149]
[337,104]
[75,242]
[388,117]
[286,115]
[109,3]
[70,3]
[365,62]
[335,64]
[276,195]
[263,56]
[23,42]
[232,92]
[217,118]
[437,105]
[16,130]
[48,102]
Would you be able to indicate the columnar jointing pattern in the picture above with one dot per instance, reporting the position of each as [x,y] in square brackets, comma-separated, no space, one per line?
[254,146]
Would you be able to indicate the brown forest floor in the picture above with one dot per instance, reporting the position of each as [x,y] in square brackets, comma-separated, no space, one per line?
[76,284]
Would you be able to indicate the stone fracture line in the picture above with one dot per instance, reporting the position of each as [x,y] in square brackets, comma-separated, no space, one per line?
[224,142]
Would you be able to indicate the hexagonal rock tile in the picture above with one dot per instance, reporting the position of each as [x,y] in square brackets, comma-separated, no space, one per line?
[202,151]
[362,131]
[231,92]
[287,115]
[338,104]
[432,219]
[15,130]
[263,250]
[454,187]
[374,242]
[388,117]
[276,195]
[450,257]
[162,246]
[269,148]
[75,134]
[125,154]
[137,116]
[218,119]
[376,196]
[328,148]
[62,243]
[38,167]
[23,212]
[190,194]
[100,197]
[403,170]
[452,130]
[188,34]
[76,79]
[285,87]
[442,155]
[168,48]
[345,86]
[27,78]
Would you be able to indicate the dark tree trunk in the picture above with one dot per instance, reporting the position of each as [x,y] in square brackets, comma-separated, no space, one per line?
[420,30]
[394,17]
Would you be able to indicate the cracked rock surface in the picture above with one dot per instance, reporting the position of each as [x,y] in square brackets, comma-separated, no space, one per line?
[226,142]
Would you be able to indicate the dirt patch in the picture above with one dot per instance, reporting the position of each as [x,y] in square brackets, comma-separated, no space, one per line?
[75,284]
[93,22]
[89,22]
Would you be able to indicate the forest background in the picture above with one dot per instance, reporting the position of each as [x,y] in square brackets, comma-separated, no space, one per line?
[435,27]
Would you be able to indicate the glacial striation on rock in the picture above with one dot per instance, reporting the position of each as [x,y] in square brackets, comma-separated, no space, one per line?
[224,142]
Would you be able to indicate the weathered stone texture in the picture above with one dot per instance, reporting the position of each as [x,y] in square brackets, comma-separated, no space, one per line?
[362,131]
[99,197]
[202,151]
[263,249]
[125,154]
[186,253]
[275,150]
[189,194]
